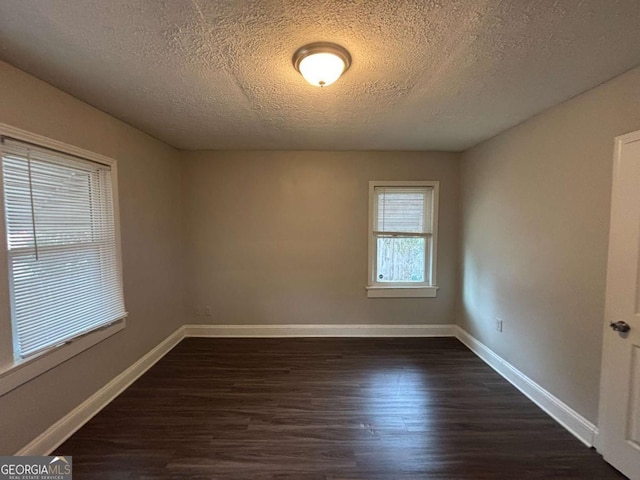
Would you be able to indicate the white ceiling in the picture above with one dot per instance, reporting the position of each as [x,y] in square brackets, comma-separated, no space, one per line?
[426,75]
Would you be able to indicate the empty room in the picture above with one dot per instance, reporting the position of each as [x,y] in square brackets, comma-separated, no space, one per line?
[295,239]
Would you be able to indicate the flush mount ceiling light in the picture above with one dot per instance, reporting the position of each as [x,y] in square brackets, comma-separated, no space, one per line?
[321,63]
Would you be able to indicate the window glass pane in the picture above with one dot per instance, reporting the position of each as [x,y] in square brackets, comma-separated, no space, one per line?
[401,259]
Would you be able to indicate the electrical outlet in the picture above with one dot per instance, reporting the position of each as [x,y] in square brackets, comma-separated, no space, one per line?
[208,312]
[499,325]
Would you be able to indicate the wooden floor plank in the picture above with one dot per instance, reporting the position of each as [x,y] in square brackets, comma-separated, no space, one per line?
[326,408]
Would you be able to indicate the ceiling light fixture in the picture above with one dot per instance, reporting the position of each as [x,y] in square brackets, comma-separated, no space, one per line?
[321,63]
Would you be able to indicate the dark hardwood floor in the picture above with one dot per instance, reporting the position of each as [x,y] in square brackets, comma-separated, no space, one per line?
[379,409]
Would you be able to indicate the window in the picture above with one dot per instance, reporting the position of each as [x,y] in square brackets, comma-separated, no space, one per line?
[62,249]
[402,239]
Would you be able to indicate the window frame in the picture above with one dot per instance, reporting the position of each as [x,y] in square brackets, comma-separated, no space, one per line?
[377,289]
[15,371]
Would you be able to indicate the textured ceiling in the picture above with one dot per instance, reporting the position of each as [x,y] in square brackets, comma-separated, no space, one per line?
[426,75]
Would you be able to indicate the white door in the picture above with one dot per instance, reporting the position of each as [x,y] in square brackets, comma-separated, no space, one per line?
[619,422]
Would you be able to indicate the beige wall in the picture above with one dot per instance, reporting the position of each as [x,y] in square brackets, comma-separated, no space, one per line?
[281,237]
[150,221]
[535,230]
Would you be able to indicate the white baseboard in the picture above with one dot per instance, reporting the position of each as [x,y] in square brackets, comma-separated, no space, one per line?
[278,331]
[55,435]
[575,423]
[60,431]
[70,423]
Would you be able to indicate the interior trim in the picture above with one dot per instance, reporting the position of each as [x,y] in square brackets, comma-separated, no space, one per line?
[276,331]
[57,433]
[20,373]
[576,424]
[60,431]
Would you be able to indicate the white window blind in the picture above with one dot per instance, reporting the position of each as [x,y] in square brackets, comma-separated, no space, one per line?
[403,209]
[62,252]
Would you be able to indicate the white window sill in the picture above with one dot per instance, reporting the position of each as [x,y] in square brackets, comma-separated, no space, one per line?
[402,291]
[20,372]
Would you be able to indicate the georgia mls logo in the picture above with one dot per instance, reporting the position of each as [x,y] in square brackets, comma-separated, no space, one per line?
[35,468]
[62,462]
